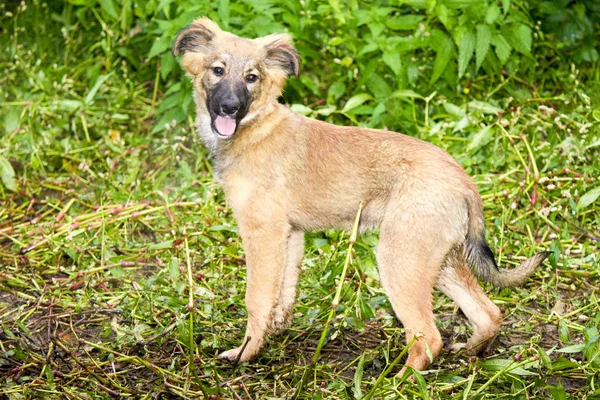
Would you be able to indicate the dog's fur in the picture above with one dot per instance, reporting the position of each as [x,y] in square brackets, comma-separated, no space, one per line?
[284,174]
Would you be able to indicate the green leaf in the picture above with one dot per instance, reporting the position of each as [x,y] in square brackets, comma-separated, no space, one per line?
[336,90]
[492,14]
[574,348]
[484,107]
[109,7]
[500,364]
[404,22]
[167,244]
[7,174]
[358,375]
[159,46]
[406,93]
[524,34]
[480,139]
[484,37]
[563,363]
[563,331]
[503,49]
[68,105]
[545,358]
[558,392]
[11,120]
[117,272]
[444,16]
[518,37]
[444,48]
[421,384]
[167,63]
[418,4]
[356,101]
[224,12]
[92,93]
[588,198]
[465,51]
[378,86]
[301,109]
[174,271]
[310,84]
[392,60]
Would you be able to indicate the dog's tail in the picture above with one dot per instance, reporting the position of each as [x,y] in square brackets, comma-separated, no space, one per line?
[481,259]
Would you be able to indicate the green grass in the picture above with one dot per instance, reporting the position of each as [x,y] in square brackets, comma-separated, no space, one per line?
[113,222]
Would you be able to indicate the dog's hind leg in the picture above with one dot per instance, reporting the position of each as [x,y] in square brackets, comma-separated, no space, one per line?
[458,283]
[410,255]
[266,248]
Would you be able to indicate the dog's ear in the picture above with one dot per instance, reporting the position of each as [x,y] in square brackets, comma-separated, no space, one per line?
[196,37]
[280,53]
[194,41]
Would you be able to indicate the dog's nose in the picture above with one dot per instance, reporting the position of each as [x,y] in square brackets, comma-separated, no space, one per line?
[230,106]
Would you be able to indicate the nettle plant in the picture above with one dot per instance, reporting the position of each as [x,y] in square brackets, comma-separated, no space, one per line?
[362,58]
[461,33]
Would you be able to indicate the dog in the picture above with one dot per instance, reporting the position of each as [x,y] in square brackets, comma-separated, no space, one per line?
[284,174]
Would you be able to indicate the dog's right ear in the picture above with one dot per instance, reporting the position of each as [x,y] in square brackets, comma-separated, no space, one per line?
[194,41]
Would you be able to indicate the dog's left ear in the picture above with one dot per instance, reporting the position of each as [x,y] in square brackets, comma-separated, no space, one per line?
[196,37]
[281,54]
[194,42]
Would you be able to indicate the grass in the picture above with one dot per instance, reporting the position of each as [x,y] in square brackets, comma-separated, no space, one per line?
[121,273]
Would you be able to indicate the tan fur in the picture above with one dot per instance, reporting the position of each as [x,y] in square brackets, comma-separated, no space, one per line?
[284,174]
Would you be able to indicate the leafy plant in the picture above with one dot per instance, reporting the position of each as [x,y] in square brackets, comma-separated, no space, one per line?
[574,24]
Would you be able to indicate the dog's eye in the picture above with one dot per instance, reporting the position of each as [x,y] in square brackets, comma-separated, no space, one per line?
[218,71]
[251,78]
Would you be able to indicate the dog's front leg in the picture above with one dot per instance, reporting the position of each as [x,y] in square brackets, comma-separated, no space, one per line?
[265,245]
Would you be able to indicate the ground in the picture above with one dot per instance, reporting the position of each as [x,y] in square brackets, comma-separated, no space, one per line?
[122,274]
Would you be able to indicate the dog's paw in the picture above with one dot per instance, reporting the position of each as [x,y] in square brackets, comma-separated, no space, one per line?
[233,355]
[458,347]
[410,377]
[465,348]
[230,355]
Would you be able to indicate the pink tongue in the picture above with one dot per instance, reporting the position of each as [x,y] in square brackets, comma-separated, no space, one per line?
[225,126]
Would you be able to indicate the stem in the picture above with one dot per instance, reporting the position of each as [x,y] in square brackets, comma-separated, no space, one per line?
[338,293]
[334,303]
[190,306]
[508,368]
[389,368]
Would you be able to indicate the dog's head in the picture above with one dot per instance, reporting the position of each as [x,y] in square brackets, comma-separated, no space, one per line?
[234,77]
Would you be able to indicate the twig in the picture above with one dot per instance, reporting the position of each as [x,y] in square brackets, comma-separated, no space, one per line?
[160,334]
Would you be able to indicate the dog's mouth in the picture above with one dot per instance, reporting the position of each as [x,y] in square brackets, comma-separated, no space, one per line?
[224,126]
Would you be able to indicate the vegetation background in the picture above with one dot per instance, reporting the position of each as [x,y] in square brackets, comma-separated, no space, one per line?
[111,222]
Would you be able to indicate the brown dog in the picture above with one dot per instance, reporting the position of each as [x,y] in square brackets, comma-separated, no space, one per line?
[284,174]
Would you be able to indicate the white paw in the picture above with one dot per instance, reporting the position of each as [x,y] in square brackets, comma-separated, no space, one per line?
[456,347]
[233,354]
